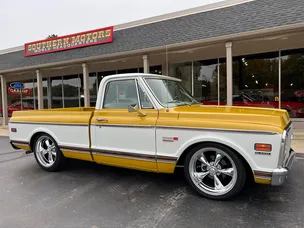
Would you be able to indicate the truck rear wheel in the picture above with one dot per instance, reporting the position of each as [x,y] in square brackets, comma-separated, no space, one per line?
[47,153]
[215,171]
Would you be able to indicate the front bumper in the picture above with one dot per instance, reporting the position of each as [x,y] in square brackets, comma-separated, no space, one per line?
[280,174]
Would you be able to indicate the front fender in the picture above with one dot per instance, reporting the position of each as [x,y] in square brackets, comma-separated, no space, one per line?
[225,141]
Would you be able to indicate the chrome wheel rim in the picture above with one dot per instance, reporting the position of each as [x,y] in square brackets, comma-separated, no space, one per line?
[46,151]
[213,171]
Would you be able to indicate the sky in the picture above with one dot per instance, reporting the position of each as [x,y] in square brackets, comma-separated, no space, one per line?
[25,21]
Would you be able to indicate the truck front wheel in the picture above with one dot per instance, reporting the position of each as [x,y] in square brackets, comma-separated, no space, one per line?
[47,153]
[215,171]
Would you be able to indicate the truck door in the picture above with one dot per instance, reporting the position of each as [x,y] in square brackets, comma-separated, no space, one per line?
[123,129]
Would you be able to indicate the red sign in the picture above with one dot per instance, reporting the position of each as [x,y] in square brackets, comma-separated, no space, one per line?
[83,39]
[14,91]
[15,88]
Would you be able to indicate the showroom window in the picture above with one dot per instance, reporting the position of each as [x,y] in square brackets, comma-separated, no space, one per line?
[126,71]
[46,104]
[93,86]
[183,71]
[21,96]
[57,92]
[292,82]
[152,70]
[28,99]
[255,80]
[71,91]
[205,77]
[222,81]
[14,96]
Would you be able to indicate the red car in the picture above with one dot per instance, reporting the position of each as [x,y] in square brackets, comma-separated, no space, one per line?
[294,108]
[16,106]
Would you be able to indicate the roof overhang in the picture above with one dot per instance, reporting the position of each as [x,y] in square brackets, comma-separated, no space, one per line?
[287,29]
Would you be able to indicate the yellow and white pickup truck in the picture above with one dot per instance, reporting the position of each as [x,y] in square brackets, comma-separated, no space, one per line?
[151,123]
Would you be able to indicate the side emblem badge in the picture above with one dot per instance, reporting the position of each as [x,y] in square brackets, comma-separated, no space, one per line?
[170,139]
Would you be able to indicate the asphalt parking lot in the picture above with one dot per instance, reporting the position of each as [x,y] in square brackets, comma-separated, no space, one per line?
[95,196]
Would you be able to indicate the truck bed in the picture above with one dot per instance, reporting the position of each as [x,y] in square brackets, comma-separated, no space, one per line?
[56,116]
[68,126]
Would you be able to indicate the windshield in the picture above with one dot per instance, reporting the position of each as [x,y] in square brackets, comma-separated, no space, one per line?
[170,93]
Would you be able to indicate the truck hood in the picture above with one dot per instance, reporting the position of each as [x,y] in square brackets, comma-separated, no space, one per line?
[232,117]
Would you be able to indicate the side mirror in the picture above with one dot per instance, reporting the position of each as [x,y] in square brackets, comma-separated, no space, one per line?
[135,108]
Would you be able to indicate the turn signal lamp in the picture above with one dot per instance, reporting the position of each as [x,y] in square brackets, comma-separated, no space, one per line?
[262,147]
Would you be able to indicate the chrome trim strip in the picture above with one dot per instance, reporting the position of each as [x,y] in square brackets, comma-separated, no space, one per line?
[20,142]
[135,156]
[262,174]
[218,130]
[288,125]
[166,158]
[157,127]
[124,156]
[284,137]
[108,153]
[291,157]
[122,125]
[279,176]
[76,151]
[48,123]
[137,92]
[167,161]
[132,155]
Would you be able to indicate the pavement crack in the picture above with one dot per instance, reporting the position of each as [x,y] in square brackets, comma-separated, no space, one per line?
[157,213]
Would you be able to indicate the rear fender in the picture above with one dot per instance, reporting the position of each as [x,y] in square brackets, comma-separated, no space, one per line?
[42,130]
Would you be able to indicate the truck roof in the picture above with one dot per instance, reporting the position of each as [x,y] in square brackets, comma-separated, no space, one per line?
[144,75]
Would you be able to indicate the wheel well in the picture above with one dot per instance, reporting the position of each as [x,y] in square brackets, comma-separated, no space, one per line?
[33,139]
[182,158]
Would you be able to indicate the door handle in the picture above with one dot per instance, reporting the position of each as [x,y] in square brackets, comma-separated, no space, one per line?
[101,120]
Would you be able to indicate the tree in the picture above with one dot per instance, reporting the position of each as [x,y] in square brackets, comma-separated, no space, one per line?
[52,36]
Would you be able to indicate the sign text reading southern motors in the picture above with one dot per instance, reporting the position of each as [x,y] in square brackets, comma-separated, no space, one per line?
[99,36]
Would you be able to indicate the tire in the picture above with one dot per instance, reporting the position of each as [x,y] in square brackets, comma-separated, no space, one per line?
[218,179]
[44,146]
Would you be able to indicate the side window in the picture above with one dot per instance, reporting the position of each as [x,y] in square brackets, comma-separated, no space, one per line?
[144,100]
[120,94]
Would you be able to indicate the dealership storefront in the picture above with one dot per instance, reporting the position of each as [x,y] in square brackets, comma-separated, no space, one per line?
[232,53]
